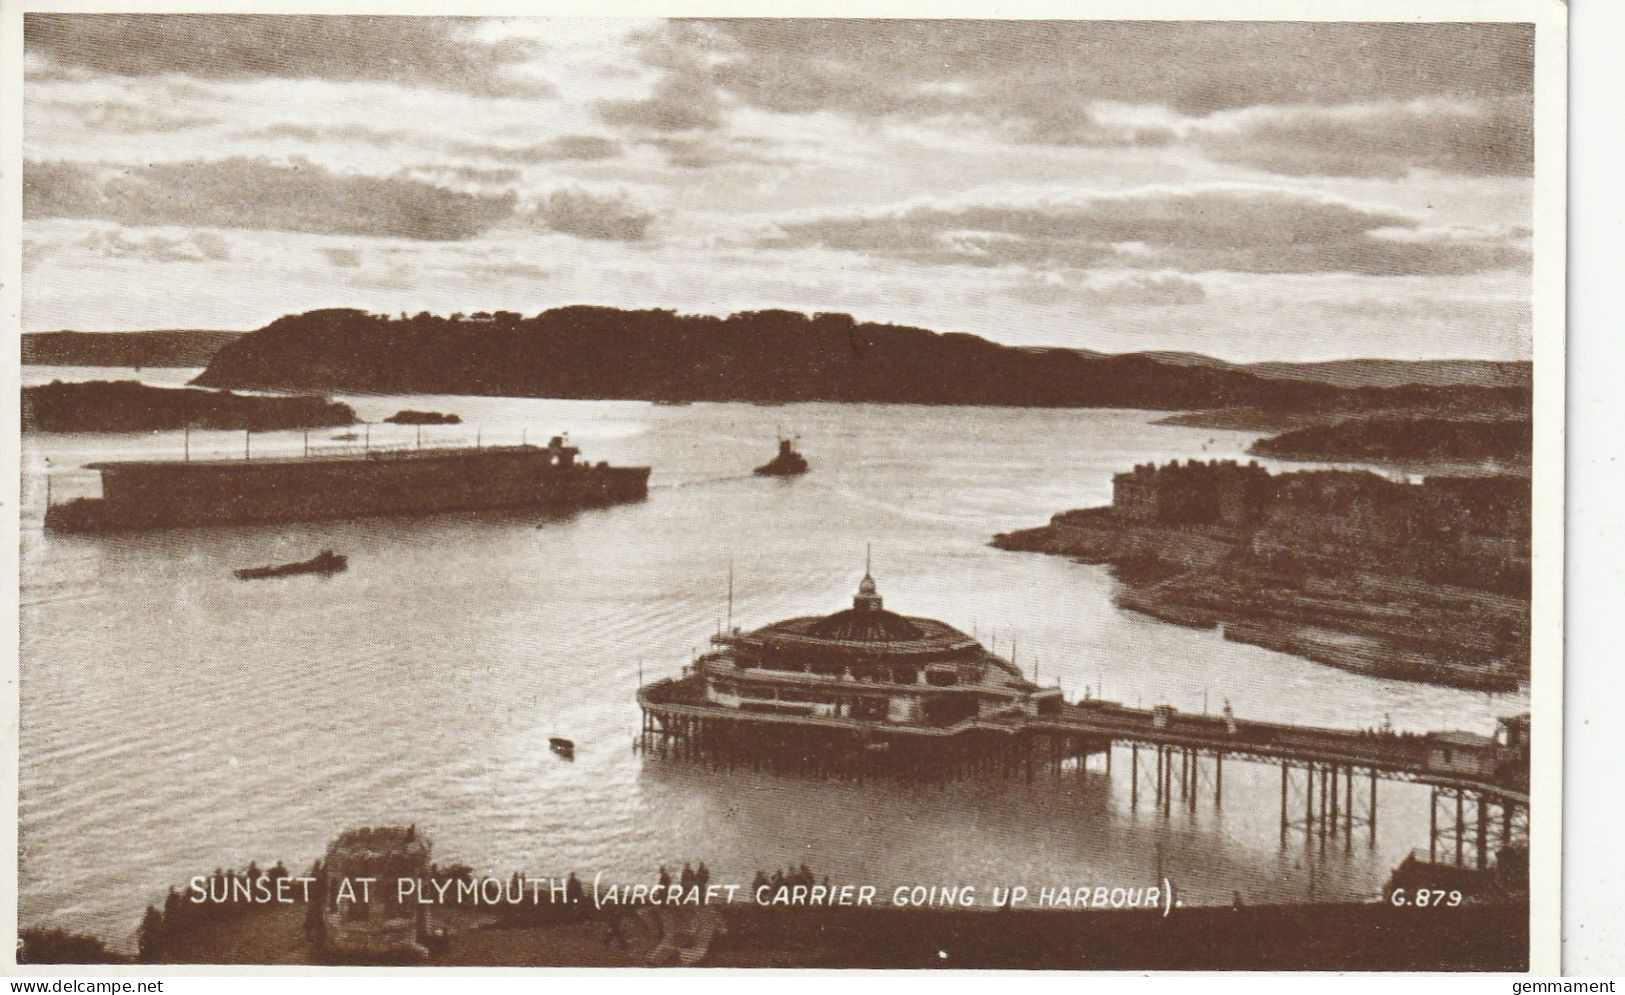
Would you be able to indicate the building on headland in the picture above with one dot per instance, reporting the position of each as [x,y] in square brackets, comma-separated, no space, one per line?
[1192,493]
[1468,531]
[865,678]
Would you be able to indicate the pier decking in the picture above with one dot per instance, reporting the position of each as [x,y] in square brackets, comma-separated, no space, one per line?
[1480,789]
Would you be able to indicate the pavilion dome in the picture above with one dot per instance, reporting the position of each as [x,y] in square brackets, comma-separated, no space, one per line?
[866,629]
[865,625]
[867,621]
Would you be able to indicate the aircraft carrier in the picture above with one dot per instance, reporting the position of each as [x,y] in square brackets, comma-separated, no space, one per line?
[154,494]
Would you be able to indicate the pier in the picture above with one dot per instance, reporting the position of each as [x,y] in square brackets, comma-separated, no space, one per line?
[1329,777]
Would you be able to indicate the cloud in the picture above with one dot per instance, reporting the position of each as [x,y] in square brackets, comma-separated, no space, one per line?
[590,215]
[925,67]
[124,118]
[341,258]
[1071,123]
[1138,291]
[712,151]
[350,132]
[296,196]
[1240,229]
[582,148]
[200,246]
[466,174]
[685,96]
[437,52]
[1193,67]
[509,271]
[1048,82]
[1385,140]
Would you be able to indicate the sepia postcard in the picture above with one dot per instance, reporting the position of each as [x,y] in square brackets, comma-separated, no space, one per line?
[969,488]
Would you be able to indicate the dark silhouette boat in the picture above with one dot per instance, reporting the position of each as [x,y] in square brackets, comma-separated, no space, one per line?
[788,463]
[565,748]
[325,562]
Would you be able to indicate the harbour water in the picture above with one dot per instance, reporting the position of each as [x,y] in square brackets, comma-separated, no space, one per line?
[175,720]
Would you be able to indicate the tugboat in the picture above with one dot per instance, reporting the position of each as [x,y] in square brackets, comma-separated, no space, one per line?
[788,463]
[325,562]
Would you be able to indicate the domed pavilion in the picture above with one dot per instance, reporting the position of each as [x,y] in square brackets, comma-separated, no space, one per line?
[862,666]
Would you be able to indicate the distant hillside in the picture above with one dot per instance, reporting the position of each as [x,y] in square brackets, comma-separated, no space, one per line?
[1394,372]
[1402,440]
[179,347]
[127,406]
[597,352]
[1350,373]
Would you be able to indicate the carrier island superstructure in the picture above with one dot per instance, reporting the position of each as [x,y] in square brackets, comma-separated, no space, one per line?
[150,494]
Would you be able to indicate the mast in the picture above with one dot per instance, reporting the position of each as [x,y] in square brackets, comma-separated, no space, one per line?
[730,594]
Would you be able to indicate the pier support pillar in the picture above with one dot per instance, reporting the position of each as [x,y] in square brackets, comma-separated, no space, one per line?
[1286,773]
[1348,806]
[1373,807]
[1433,825]
[1461,825]
[1309,802]
[1331,782]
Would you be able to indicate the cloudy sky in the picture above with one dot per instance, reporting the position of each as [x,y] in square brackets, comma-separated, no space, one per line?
[1252,191]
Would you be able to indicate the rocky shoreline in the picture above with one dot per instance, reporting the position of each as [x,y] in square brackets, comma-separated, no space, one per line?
[1368,622]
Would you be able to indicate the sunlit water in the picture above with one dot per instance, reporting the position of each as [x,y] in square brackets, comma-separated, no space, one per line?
[175,719]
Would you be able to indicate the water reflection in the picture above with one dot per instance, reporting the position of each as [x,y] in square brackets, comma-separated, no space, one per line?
[174,720]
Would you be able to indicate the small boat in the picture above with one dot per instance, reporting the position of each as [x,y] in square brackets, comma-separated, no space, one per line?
[563,747]
[788,463]
[346,437]
[325,562]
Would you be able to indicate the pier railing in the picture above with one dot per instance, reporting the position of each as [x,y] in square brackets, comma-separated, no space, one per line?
[1396,756]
